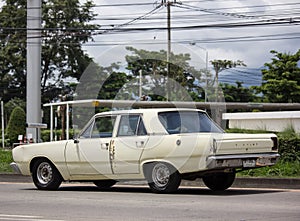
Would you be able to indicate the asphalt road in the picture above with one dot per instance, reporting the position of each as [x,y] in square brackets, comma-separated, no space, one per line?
[23,202]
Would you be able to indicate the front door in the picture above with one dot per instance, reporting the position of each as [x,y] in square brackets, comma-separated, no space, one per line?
[89,155]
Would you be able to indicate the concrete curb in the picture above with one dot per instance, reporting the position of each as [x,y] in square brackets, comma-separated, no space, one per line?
[240,182]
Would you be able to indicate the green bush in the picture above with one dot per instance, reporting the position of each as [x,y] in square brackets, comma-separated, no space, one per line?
[289,146]
[281,169]
[45,134]
[16,125]
[5,160]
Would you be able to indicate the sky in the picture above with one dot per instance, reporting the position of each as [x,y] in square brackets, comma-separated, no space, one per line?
[244,30]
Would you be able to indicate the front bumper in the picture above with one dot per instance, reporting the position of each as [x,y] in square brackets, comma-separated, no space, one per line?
[15,167]
[242,160]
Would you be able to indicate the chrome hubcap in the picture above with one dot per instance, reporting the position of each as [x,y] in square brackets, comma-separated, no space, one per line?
[160,175]
[44,173]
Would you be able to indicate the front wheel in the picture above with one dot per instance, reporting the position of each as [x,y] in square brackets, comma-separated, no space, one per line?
[162,177]
[45,176]
[219,181]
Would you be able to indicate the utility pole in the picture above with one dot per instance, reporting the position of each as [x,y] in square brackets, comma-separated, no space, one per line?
[168,4]
[33,84]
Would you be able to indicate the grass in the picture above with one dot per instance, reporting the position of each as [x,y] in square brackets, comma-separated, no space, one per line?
[279,170]
[5,160]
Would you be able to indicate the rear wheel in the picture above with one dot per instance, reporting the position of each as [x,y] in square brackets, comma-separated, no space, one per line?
[104,184]
[162,177]
[45,176]
[219,181]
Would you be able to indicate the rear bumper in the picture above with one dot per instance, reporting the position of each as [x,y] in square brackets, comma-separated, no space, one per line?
[242,160]
[15,167]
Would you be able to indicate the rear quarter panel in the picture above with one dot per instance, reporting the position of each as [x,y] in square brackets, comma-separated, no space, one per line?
[186,152]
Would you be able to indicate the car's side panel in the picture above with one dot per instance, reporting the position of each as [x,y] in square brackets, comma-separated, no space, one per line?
[88,157]
[186,152]
[54,152]
[126,153]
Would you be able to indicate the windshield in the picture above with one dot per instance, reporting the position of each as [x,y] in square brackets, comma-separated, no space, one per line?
[177,122]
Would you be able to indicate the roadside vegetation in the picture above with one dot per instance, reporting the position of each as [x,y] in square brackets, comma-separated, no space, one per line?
[5,160]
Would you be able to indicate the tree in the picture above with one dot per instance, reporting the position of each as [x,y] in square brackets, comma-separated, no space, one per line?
[65,27]
[281,78]
[11,105]
[176,84]
[12,49]
[238,93]
[16,125]
[219,66]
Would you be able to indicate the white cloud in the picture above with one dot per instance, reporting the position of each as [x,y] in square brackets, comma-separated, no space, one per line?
[253,53]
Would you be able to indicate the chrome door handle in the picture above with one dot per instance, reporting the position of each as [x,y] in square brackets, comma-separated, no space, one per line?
[139,143]
[104,146]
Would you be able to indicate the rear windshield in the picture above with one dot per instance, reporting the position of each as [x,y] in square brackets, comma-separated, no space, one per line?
[177,122]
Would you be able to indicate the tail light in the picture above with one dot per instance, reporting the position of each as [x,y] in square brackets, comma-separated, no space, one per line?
[275,143]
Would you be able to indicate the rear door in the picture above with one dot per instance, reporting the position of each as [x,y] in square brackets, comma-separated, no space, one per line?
[128,145]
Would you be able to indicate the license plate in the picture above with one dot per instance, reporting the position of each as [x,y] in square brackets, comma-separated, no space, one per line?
[249,163]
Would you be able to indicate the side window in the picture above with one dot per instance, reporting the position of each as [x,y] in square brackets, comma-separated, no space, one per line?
[141,131]
[87,132]
[103,127]
[131,125]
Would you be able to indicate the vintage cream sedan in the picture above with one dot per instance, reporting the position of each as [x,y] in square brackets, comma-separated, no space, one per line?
[162,146]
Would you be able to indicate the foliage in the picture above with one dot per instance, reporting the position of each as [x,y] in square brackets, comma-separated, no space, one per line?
[214,93]
[281,78]
[281,169]
[237,93]
[13,49]
[5,160]
[6,142]
[16,125]
[114,86]
[45,134]
[289,146]
[173,81]
[238,130]
[221,65]
[12,104]
[64,29]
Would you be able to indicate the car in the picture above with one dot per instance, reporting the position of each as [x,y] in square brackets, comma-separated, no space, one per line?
[162,146]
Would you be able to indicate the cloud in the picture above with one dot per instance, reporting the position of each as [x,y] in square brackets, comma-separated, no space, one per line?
[254,53]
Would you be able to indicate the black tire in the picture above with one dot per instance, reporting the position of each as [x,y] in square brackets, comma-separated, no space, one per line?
[162,177]
[45,176]
[219,181]
[104,184]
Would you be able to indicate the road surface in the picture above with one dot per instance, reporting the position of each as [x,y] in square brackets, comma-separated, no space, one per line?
[23,202]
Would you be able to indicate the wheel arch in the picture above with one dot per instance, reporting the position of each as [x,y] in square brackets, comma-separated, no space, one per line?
[148,163]
[35,159]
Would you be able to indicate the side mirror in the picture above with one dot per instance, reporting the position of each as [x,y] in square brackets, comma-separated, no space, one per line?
[75,137]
